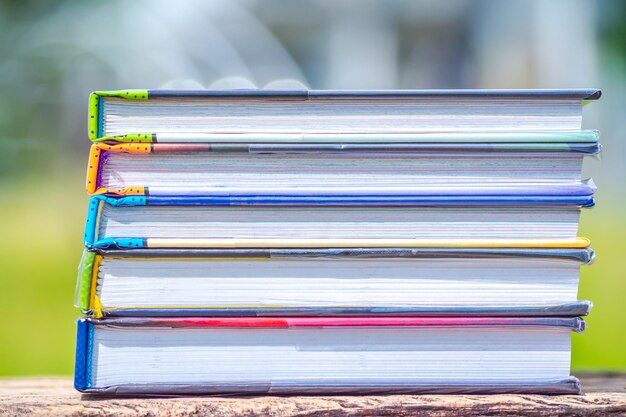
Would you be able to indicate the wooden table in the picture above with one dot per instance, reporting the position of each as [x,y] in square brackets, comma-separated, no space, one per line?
[605,396]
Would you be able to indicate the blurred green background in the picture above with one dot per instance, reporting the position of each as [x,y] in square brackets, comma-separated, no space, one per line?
[55,53]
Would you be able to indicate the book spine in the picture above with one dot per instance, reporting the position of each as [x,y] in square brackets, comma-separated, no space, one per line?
[81,380]
[86,271]
[93,123]
[93,169]
[91,223]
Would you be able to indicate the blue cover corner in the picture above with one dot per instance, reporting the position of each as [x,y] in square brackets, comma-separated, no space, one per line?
[120,243]
[591,201]
[136,200]
[80,366]
[90,238]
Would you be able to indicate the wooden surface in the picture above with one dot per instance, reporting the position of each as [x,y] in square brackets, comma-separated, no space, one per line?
[605,396]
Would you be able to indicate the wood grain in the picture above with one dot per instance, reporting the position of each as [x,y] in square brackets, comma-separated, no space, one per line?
[605,396]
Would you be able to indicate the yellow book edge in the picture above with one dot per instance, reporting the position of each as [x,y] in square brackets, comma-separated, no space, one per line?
[578,242]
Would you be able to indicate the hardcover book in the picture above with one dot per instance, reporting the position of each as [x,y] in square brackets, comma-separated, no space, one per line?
[322,355]
[325,282]
[259,115]
[276,222]
[441,167]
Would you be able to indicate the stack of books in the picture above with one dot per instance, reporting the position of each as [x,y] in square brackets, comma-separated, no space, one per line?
[255,241]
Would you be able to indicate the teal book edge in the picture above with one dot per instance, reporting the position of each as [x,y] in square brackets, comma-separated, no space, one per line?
[93,215]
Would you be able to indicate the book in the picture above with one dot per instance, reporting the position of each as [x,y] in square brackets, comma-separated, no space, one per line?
[251,242]
[325,282]
[244,115]
[440,167]
[325,355]
[136,222]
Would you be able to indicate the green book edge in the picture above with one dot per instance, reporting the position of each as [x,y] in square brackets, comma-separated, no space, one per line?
[93,126]
[83,284]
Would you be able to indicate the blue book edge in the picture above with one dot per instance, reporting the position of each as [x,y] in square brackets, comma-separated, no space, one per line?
[81,379]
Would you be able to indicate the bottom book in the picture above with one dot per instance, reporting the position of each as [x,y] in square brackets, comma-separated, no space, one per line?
[325,355]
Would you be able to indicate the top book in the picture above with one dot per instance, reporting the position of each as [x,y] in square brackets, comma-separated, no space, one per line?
[317,116]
